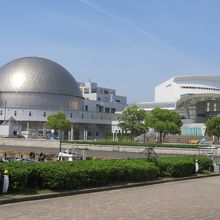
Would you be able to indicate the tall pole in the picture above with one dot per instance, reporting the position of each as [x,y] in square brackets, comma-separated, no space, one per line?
[60,145]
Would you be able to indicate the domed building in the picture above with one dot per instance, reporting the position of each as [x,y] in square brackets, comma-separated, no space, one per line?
[33,82]
[32,88]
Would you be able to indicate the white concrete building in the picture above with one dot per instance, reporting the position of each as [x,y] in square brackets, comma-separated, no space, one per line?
[32,88]
[173,89]
[195,98]
[100,99]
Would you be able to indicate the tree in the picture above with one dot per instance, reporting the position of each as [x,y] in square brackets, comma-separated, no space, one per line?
[213,127]
[58,122]
[132,120]
[164,122]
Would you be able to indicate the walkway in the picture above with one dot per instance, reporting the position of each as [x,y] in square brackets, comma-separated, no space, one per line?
[185,200]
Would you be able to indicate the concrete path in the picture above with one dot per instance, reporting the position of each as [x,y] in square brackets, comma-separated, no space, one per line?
[185,200]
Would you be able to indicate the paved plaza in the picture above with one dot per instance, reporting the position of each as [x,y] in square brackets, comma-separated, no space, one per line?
[190,199]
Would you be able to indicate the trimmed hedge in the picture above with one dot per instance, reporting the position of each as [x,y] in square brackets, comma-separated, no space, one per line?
[80,174]
[175,167]
[94,173]
[181,166]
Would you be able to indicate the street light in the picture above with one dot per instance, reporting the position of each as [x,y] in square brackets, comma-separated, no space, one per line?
[60,145]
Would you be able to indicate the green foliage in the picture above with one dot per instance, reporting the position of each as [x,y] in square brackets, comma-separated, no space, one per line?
[94,173]
[213,126]
[181,166]
[132,120]
[80,174]
[205,163]
[58,121]
[164,121]
[176,166]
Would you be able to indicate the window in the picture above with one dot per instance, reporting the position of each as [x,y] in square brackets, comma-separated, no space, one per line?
[195,87]
[86,108]
[106,110]
[214,107]
[86,90]
[113,110]
[1,112]
[44,114]
[29,113]
[208,107]
[118,100]
[97,133]
[15,113]
[71,115]
[100,108]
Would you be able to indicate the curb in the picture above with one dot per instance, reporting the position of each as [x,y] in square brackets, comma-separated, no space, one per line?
[99,189]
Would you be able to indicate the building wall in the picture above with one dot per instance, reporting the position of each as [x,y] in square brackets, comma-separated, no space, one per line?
[167,91]
[173,89]
[100,99]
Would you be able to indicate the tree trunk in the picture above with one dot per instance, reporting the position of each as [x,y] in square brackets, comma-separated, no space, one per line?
[59,133]
[131,137]
[161,136]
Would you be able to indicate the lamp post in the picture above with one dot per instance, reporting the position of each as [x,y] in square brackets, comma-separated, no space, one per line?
[60,145]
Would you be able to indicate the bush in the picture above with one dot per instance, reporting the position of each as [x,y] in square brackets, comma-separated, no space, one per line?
[80,174]
[175,167]
[181,166]
[205,163]
[93,173]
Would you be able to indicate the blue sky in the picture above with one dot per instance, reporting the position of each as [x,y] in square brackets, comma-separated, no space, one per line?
[128,45]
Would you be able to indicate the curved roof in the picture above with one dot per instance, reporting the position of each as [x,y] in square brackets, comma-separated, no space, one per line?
[152,105]
[37,75]
[193,99]
[196,78]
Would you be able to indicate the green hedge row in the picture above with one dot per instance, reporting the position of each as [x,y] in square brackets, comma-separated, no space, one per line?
[136,144]
[94,173]
[80,174]
[181,166]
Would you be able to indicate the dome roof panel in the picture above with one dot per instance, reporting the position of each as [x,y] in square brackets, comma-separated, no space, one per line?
[37,75]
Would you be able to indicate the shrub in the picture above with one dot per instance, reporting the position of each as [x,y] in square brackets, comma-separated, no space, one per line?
[181,166]
[93,173]
[80,174]
[205,163]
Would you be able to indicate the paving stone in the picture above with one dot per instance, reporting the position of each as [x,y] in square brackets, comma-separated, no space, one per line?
[185,200]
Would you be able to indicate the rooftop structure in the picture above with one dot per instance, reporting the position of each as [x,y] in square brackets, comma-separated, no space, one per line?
[33,82]
[179,86]
[148,106]
[101,99]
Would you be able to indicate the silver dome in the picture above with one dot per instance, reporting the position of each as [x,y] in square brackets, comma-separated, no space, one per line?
[39,83]
[34,74]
